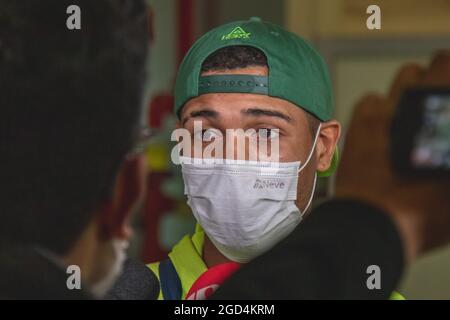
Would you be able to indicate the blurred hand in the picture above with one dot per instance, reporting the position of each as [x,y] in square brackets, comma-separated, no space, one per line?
[420,208]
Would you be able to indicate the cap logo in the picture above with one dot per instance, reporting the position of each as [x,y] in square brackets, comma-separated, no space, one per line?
[237,33]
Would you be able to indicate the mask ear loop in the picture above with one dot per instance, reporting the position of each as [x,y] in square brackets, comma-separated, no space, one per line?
[315,174]
[311,196]
[312,150]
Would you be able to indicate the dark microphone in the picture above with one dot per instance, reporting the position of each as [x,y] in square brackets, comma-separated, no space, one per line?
[137,282]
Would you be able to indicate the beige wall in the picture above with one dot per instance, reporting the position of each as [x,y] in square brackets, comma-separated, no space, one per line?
[347,18]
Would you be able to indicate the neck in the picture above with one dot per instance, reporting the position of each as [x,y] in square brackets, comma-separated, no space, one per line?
[211,255]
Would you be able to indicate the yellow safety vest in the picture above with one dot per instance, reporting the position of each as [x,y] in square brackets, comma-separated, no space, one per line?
[186,257]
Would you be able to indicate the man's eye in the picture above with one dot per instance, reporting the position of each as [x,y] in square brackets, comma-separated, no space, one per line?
[207,135]
[210,134]
[267,133]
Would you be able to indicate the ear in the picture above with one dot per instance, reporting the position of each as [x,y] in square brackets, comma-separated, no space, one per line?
[128,194]
[329,135]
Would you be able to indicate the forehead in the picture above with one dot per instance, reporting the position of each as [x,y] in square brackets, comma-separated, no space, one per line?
[227,103]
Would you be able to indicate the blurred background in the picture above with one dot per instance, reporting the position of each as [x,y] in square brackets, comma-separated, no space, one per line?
[360,61]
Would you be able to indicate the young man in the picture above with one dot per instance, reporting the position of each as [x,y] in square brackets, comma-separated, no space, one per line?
[249,75]
[70,107]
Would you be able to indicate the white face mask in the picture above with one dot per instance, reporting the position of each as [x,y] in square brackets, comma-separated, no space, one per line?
[245,207]
[100,288]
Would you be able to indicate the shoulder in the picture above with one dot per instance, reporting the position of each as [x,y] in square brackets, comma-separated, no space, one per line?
[396,296]
[154,267]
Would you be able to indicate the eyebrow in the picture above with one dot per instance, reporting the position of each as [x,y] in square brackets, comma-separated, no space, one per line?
[257,112]
[201,113]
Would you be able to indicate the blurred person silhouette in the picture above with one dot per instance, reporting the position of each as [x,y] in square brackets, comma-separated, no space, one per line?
[70,168]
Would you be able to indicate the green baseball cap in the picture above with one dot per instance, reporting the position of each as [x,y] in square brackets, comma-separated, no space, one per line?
[297,73]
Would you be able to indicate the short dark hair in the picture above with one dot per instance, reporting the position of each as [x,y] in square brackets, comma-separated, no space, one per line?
[238,57]
[234,57]
[70,103]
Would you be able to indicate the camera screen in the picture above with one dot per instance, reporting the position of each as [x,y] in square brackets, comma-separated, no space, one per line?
[432,144]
